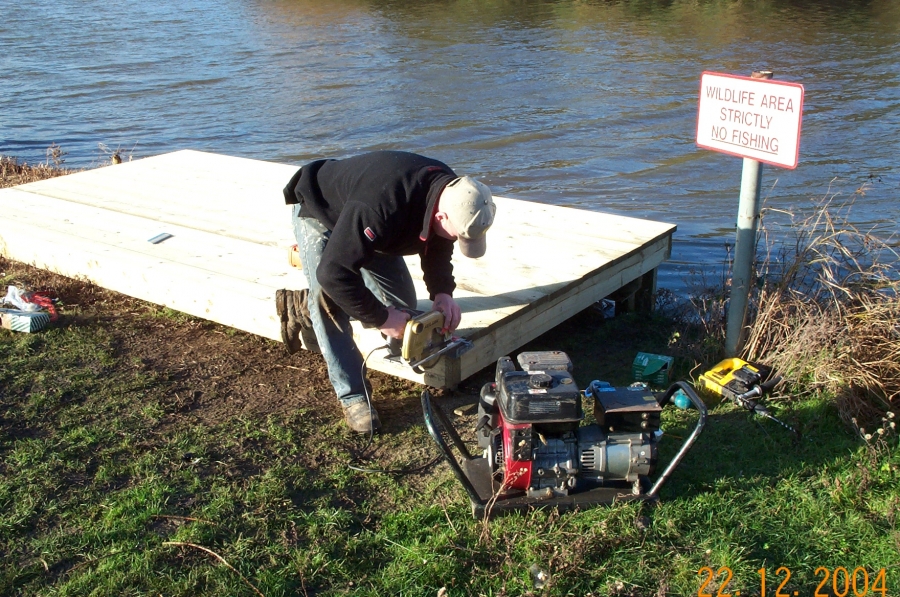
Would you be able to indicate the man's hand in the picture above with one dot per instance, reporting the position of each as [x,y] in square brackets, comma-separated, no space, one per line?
[452,313]
[395,325]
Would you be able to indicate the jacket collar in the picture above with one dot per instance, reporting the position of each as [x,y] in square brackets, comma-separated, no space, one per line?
[434,192]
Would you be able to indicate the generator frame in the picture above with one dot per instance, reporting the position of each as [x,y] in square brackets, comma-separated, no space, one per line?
[486,496]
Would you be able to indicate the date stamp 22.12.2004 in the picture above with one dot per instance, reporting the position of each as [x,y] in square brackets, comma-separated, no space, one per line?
[831,582]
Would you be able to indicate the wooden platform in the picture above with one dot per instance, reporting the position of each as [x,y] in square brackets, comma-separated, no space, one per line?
[228,251]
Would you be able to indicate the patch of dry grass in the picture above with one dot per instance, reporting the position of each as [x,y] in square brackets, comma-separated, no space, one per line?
[14,173]
[826,312]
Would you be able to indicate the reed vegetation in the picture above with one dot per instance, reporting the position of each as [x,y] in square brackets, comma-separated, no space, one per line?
[13,172]
[827,314]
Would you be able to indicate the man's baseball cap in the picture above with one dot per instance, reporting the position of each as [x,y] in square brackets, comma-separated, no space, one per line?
[470,208]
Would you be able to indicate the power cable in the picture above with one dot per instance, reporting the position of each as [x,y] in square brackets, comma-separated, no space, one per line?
[361,469]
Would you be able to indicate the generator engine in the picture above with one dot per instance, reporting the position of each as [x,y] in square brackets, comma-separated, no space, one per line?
[530,428]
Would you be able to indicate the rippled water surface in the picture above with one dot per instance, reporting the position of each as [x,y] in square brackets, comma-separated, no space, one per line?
[589,103]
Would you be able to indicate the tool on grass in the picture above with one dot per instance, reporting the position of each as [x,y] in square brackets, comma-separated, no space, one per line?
[535,451]
[743,383]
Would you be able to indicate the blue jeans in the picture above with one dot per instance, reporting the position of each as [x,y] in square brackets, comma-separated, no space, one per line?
[386,276]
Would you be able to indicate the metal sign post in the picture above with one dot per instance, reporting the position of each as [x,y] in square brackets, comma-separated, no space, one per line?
[759,120]
[744,251]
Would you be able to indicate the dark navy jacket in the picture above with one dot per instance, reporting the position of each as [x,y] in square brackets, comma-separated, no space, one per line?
[376,202]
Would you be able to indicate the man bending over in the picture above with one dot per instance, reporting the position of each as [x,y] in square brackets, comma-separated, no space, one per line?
[354,219]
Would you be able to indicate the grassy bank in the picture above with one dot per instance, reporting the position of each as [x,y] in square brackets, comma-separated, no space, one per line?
[145,452]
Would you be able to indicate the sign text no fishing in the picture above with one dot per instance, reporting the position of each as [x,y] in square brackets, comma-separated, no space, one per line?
[750,118]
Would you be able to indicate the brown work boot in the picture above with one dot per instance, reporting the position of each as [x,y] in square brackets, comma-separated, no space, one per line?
[290,331]
[299,313]
[295,321]
[360,420]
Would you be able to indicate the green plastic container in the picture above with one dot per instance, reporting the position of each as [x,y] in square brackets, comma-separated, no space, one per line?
[653,369]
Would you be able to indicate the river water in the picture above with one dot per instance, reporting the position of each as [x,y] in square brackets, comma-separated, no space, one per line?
[588,103]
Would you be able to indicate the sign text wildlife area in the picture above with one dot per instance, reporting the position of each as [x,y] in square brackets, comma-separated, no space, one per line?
[750,118]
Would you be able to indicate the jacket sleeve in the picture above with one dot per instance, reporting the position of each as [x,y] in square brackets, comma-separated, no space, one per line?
[437,269]
[348,250]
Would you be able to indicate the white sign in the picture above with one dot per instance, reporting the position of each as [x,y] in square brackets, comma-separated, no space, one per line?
[750,118]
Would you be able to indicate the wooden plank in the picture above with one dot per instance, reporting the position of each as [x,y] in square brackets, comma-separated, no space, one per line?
[233,197]
[210,192]
[179,186]
[479,276]
[208,252]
